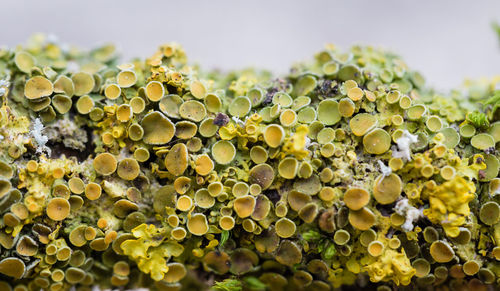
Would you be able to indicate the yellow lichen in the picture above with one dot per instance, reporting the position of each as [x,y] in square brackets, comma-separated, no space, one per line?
[391,265]
[449,204]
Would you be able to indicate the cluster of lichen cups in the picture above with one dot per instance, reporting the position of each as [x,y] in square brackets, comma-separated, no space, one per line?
[347,171]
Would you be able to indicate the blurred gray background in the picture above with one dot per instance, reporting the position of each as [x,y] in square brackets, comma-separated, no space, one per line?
[446,40]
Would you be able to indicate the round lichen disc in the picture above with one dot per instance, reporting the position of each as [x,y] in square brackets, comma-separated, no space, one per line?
[262,174]
[387,189]
[176,160]
[158,129]
[12,267]
[58,209]
[441,251]
[105,164]
[362,123]
[328,112]
[38,87]
[361,219]
[197,224]
[83,82]
[223,152]
[377,141]
[482,141]
[155,91]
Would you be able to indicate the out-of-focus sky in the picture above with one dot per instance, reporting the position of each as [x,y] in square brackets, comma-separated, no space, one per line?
[446,40]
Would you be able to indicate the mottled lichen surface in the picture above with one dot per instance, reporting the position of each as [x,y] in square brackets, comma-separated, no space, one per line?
[347,171]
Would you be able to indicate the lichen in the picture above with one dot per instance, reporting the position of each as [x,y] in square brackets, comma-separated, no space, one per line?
[348,170]
[449,204]
[391,265]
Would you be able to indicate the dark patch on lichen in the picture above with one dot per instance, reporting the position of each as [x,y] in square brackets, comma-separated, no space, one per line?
[273,195]
[58,148]
[221,119]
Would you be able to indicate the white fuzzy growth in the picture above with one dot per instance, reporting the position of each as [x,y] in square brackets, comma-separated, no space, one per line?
[401,207]
[386,171]
[496,191]
[308,142]
[72,67]
[3,84]
[238,121]
[341,173]
[40,139]
[404,143]
[411,213]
